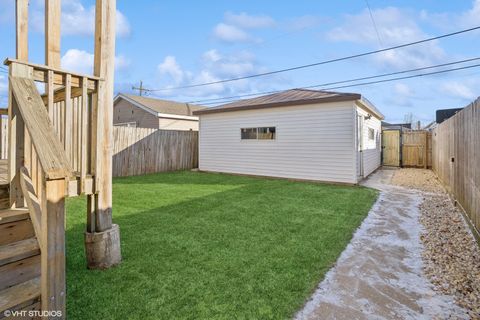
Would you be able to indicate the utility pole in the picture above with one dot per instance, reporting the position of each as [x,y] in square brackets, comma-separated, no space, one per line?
[140,89]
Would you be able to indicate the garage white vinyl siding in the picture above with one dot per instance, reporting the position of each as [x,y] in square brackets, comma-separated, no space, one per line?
[313,142]
[371,148]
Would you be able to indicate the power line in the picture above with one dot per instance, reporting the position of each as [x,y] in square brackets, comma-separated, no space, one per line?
[374,24]
[345,81]
[368,83]
[319,63]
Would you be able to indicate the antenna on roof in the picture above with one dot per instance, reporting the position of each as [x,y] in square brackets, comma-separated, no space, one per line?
[140,89]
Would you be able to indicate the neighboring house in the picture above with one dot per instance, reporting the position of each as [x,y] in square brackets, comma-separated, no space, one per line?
[432,125]
[298,134]
[142,112]
[396,126]
[444,114]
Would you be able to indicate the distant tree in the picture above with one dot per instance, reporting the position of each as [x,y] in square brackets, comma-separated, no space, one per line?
[415,123]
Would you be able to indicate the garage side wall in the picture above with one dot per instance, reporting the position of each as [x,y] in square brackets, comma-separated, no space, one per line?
[313,142]
[372,148]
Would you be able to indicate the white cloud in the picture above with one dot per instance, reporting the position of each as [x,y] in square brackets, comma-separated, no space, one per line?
[77,19]
[170,67]
[395,26]
[233,28]
[246,21]
[458,90]
[449,20]
[82,61]
[211,56]
[214,66]
[78,61]
[229,33]
[471,17]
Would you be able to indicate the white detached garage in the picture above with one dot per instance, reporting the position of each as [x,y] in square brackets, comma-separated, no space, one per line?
[297,134]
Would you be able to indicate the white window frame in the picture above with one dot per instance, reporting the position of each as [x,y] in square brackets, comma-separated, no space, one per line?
[256,139]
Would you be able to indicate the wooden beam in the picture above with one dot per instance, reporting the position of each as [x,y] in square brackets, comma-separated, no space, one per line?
[22,29]
[104,68]
[52,32]
[84,120]
[53,251]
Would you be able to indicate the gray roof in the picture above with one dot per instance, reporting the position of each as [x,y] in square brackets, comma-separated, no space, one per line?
[289,98]
[163,106]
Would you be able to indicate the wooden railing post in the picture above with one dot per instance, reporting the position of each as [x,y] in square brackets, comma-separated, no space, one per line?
[52,283]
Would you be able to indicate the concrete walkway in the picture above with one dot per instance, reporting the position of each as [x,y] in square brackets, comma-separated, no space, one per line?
[379,275]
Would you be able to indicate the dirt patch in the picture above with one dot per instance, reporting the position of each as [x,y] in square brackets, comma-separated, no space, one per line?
[421,179]
[451,255]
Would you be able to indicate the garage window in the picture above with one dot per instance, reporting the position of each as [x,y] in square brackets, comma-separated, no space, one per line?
[371,134]
[260,133]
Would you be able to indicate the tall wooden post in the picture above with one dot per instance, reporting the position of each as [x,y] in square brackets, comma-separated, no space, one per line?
[21,14]
[52,33]
[16,126]
[103,243]
[53,285]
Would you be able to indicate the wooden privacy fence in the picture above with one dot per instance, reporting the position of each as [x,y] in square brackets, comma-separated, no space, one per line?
[139,151]
[417,149]
[456,158]
[402,148]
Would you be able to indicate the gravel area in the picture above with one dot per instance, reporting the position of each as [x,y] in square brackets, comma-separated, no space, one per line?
[422,179]
[451,255]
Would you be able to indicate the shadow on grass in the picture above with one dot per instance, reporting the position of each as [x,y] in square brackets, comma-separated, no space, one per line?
[254,250]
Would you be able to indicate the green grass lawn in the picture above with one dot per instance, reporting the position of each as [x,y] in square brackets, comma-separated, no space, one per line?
[213,246]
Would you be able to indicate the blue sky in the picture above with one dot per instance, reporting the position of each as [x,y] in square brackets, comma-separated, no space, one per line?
[177,43]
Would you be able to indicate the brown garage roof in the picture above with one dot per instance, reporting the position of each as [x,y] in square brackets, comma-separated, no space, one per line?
[163,106]
[289,98]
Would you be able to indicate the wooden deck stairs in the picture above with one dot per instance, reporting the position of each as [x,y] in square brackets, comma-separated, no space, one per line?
[59,146]
[42,175]
[19,262]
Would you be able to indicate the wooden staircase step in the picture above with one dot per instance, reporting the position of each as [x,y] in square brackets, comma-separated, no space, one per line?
[13,296]
[19,271]
[16,231]
[18,250]
[4,195]
[12,215]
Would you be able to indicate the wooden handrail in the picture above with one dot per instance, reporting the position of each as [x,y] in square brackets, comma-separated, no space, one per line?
[37,66]
[40,73]
[32,109]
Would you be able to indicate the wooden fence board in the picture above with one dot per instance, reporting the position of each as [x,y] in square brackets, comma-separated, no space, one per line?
[456,158]
[138,151]
[417,149]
